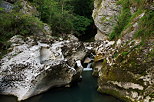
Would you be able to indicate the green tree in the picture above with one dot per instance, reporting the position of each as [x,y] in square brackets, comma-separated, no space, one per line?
[65,16]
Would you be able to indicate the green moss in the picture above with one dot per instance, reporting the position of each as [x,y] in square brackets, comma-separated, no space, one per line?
[125,53]
[152,94]
[115,55]
[98,3]
[114,93]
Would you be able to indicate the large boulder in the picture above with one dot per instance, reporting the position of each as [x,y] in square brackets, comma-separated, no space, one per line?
[33,67]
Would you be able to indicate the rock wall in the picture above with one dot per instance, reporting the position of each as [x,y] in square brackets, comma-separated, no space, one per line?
[125,66]
[105,17]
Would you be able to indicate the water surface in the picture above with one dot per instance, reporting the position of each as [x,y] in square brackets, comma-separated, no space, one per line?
[84,91]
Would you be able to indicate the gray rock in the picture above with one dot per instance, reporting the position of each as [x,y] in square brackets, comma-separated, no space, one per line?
[30,68]
[105,17]
[7,7]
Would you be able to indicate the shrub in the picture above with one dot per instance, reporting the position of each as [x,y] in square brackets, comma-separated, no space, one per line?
[123,19]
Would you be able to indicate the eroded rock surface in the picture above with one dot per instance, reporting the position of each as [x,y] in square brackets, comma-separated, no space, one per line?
[105,17]
[33,67]
[125,67]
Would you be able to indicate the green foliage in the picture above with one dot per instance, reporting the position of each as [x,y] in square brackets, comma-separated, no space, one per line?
[16,23]
[52,13]
[83,7]
[146,25]
[80,24]
[13,23]
[65,16]
[123,19]
[1,9]
[125,53]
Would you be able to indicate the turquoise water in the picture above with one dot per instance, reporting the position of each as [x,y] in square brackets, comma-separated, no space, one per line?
[84,91]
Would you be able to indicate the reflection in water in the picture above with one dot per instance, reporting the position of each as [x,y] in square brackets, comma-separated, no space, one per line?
[85,91]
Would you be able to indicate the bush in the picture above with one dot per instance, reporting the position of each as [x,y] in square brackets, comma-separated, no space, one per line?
[63,16]
[146,25]
[80,24]
[16,24]
[123,19]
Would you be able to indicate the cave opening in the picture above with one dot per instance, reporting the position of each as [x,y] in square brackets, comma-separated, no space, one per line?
[89,33]
[85,8]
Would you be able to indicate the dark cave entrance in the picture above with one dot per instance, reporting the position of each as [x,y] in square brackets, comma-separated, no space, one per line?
[85,9]
[89,34]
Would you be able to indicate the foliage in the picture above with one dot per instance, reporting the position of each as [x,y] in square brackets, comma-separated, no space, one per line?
[83,7]
[123,19]
[62,15]
[13,23]
[146,25]
[80,24]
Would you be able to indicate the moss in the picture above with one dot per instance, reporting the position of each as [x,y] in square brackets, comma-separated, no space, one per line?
[115,55]
[125,53]
[98,57]
[114,93]
[98,3]
[152,94]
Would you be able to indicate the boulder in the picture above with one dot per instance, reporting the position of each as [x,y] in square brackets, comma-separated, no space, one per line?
[31,68]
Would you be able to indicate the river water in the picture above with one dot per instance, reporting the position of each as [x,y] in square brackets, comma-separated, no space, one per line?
[84,91]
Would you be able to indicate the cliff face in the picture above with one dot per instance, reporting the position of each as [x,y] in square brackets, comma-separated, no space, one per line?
[105,17]
[125,66]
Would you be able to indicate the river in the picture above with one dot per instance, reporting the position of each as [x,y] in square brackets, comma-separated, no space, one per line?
[84,91]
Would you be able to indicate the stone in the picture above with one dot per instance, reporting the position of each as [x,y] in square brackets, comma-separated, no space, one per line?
[32,68]
[87,60]
[105,15]
[125,66]
[7,7]
[27,8]
[100,36]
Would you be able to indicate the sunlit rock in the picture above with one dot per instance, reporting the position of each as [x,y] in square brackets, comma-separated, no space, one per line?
[33,67]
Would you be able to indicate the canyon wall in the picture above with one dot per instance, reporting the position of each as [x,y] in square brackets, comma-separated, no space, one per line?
[124,61]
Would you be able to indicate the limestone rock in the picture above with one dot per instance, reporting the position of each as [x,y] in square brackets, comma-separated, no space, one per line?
[27,8]
[125,67]
[105,17]
[7,7]
[33,67]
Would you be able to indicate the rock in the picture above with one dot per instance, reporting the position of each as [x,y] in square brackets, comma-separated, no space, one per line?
[7,7]
[105,17]
[32,68]
[27,8]
[100,36]
[87,60]
[124,67]
[72,37]
[118,43]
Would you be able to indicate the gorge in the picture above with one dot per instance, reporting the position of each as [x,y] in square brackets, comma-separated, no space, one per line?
[42,47]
